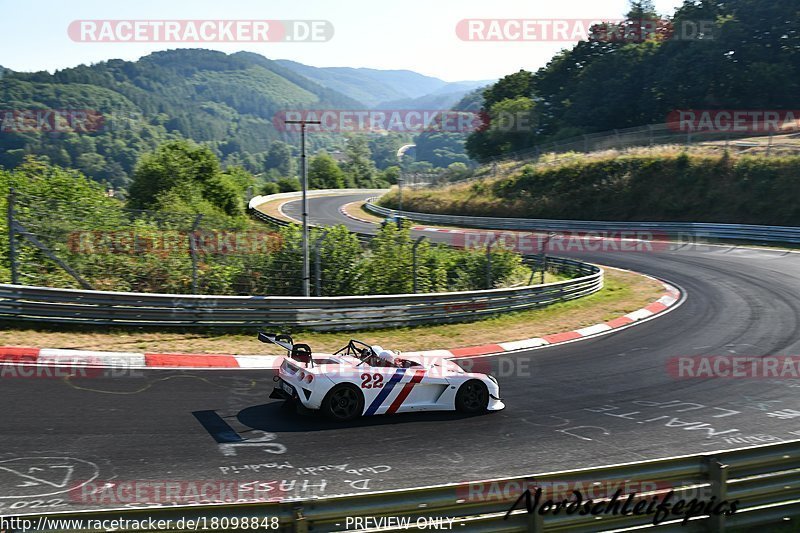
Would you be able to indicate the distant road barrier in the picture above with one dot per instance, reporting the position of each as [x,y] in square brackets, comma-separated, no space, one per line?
[688,231]
[41,304]
[339,313]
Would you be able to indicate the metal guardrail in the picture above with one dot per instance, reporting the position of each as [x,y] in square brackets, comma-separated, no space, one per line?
[54,305]
[764,479]
[316,313]
[683,231]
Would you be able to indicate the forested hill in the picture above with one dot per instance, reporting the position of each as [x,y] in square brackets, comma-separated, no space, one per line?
[749,60]
[391,89]
[226,100]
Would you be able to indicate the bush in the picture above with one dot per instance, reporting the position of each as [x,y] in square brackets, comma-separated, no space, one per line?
[270,188]
[659,186]
[288,184]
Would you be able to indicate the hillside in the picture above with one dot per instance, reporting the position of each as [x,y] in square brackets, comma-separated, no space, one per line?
[658,184]
[227,101]
[389,89]
[749,59]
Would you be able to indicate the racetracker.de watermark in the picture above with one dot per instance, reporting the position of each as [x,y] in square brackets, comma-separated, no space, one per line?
[164,243]
[734,367]
[50,121]
[536,243]
[149,492]
[66,368]
[200,31]
[573,30]
[734,120]
[397,120]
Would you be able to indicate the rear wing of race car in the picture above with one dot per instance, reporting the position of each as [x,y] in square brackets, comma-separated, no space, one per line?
[298,352]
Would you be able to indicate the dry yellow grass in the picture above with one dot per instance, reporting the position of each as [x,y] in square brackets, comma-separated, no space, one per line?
[272,208]
[356,209]
[623,292]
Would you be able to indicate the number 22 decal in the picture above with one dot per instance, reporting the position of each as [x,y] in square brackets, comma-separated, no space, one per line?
[371,381]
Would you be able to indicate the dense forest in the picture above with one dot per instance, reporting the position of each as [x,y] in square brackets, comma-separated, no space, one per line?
[750,60]
[226,102]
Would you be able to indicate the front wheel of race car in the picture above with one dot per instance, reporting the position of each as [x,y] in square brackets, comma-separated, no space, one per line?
[472,397]
[343,402]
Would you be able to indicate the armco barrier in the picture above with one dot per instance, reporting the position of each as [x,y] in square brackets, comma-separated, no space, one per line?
[765,480]
[682,231]
[52,305]
[325,313]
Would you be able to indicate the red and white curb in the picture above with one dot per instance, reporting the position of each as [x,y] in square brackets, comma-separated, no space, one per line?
[671,298]
[91,358]
[88,358]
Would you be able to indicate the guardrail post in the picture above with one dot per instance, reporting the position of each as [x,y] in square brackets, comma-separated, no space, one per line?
[718,477]
[535,523]
[300,523]
[12,239]
[414,261]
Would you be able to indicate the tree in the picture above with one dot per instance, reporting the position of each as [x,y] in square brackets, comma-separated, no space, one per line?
[324,173]
[391,175]
[388,268]
[358,164]
[289,184]
[279,159]
[270,187]
[189,168]
[340,259]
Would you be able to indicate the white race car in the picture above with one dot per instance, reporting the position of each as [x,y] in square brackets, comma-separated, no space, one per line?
[367,380]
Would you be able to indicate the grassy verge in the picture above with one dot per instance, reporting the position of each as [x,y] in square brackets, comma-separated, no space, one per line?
[272,208]
[623,292]
[356,209]
[667,183]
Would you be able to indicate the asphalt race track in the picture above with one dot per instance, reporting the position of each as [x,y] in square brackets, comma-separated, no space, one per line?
[603,400]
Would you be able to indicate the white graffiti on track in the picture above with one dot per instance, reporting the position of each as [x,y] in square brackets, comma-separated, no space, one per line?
[643,411]
[317,470]
[254,468]
[264,442]
[36,477]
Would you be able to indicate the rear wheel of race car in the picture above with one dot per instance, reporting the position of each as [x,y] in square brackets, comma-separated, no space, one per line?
[472,397]
[343,402]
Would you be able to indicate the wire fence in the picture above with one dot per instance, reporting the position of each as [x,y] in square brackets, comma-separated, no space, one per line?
[101,246]
[105,247]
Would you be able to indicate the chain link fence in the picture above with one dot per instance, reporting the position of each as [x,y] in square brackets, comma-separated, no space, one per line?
[51,243]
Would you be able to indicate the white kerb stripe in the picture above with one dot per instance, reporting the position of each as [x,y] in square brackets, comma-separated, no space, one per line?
[259,361]
[89,357]
[640,314]
[593,330]
[526,343]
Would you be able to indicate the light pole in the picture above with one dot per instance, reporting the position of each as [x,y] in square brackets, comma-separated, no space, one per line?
[400,153]
[304,184]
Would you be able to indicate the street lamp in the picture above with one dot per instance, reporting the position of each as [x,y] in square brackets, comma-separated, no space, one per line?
[400,153]
[304,184]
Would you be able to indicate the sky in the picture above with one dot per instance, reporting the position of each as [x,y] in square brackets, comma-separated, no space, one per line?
[417,35]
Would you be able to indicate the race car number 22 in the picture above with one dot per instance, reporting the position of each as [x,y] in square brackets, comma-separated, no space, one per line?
[371,381]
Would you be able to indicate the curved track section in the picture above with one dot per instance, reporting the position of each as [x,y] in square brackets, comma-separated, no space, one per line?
[604,400]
